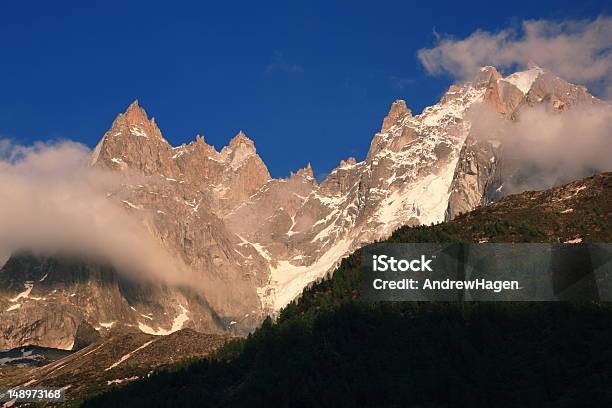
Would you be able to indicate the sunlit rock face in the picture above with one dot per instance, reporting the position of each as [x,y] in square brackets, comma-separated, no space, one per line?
[488,167]
[251,242]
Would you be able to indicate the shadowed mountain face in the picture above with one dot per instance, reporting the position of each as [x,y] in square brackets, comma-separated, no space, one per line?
[111,357]
[254,242]
[66,303]
[330,347]
[105,364]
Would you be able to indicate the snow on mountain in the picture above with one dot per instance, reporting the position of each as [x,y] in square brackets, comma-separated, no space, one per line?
[524,79]
[288,280]
[177,324]
[255,241]
[405,179]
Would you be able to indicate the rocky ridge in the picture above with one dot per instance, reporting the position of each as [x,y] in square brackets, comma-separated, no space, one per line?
[256,241]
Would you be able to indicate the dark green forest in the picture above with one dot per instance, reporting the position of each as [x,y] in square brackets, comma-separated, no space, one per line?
[329,349]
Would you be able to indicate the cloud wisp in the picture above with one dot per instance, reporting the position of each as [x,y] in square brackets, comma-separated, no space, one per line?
[280,64]
[401,83]
[548,148]
[577,50]
[52,202]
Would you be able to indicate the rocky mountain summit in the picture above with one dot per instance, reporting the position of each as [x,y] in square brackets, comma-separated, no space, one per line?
[253,241]
[487,169]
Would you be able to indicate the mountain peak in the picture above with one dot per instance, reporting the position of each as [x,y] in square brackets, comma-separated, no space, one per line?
[351,161]
[241,138]
[135,117]
[488,68]
[305,172]
[523,80]
[398,111]
[485,76]
[129,131]
[533,65]
[133,106]
[239,149]
[200,140]
[135,114]
[200,145]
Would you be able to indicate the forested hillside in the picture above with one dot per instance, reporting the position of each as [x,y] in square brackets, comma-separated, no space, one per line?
[331,349]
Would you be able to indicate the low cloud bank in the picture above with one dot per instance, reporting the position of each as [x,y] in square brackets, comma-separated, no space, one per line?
[51,202]
[549,148]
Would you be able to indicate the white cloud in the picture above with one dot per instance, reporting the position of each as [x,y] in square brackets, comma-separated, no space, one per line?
[51,202]
[547,147]
[578,51]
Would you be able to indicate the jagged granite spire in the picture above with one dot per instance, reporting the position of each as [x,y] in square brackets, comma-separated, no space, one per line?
[486,76]
[398,111]
[134,141]
[351,161]
[305,172]
[240,139]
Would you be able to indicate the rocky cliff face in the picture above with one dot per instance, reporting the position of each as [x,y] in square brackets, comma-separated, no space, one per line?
[254,242]
[65,303]
[486,167]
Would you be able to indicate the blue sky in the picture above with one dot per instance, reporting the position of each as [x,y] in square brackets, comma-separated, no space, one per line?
[307,82]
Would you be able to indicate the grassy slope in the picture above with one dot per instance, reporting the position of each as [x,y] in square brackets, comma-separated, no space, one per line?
[330,349]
